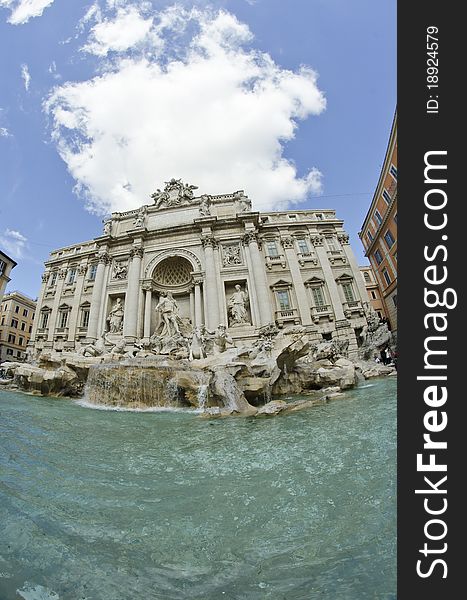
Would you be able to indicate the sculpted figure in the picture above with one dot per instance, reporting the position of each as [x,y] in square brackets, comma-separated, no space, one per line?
[116,317]
[232,256]
[168,309]
[139,220]
[120,271]
[204,209]
[222,340]
[197,346]
[107,227]
[96,349]
[237,307]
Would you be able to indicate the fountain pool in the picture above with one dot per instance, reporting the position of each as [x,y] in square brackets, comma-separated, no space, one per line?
[119,505]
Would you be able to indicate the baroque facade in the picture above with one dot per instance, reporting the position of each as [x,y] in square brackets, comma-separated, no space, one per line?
[6,265]
[190,261]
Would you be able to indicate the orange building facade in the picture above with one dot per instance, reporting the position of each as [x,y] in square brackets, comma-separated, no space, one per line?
[379,230]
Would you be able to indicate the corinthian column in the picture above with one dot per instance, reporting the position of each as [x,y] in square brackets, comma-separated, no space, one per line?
[130,318]
[259,278]
[103,259]
[344,240]
[37,319]
[212,316]
[147,311]
[300,291]
[74,316]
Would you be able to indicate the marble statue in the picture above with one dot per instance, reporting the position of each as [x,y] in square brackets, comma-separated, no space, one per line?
[140,217]
[120,271]
[204,209]
[116,317]
[231,256]
[222,340]
[168,309]
[107,227]
[237,307]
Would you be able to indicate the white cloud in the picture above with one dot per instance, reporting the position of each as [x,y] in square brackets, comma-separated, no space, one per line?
[210,109]
[4,132]
[125,31]
[13,242]
[26,76]
[23,10]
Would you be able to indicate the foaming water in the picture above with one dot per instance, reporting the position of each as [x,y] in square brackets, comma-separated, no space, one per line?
[148,409]
[116,505]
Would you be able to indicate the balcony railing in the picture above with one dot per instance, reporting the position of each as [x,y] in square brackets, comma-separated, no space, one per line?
[322,311]
[287,315]
[279,259]
[304,257]
[352,307]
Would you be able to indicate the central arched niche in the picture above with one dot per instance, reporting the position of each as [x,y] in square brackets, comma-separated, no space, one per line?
[173,274]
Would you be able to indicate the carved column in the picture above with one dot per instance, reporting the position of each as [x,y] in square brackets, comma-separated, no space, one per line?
[130,317]
[74,315]
[212,315]
[198,306]
[96,298]
[300,291]
[321,253]
[58,296]
[147,310]
[259,278]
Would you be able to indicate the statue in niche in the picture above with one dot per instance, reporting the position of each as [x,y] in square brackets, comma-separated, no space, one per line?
[232,256]
[115,317]
[204,208]
[237,307]
[140,217]
[168,308]
[107,227]
[120,270]
[222,340]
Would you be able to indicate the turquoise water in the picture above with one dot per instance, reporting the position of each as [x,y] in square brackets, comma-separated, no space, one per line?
[105,505]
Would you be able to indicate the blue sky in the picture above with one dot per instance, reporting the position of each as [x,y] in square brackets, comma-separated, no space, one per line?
[101,102]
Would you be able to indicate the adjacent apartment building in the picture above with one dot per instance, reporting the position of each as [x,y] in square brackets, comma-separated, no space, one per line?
[379,230]
[6,265]
[17,312]
[209,252]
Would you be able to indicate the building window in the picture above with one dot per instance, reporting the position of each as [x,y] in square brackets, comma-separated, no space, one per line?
[53,279]
[348,292]
[394,299]
[395,218]
[302,246]
[387,196]
[9,351]
[393,171]
[389,238]
[44,319]
[25,312]
[20,341]
[2,267]
[369,236]
[85,317]
[63,319]
[23,326]
[373,294]
[386,276]
[3,320]
[71,276]
[318,297]
[378,217]
[331,244]
[16,309]
[14,323]
[30,328]
[366,276]
[378,257]
[271,248]
[284,299]
[11,338]
[92,272]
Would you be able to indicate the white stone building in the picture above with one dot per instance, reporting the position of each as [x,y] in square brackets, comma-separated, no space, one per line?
[290,267]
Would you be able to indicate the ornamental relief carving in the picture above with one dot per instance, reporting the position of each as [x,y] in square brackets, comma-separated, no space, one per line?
[120,270]
[231,255]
